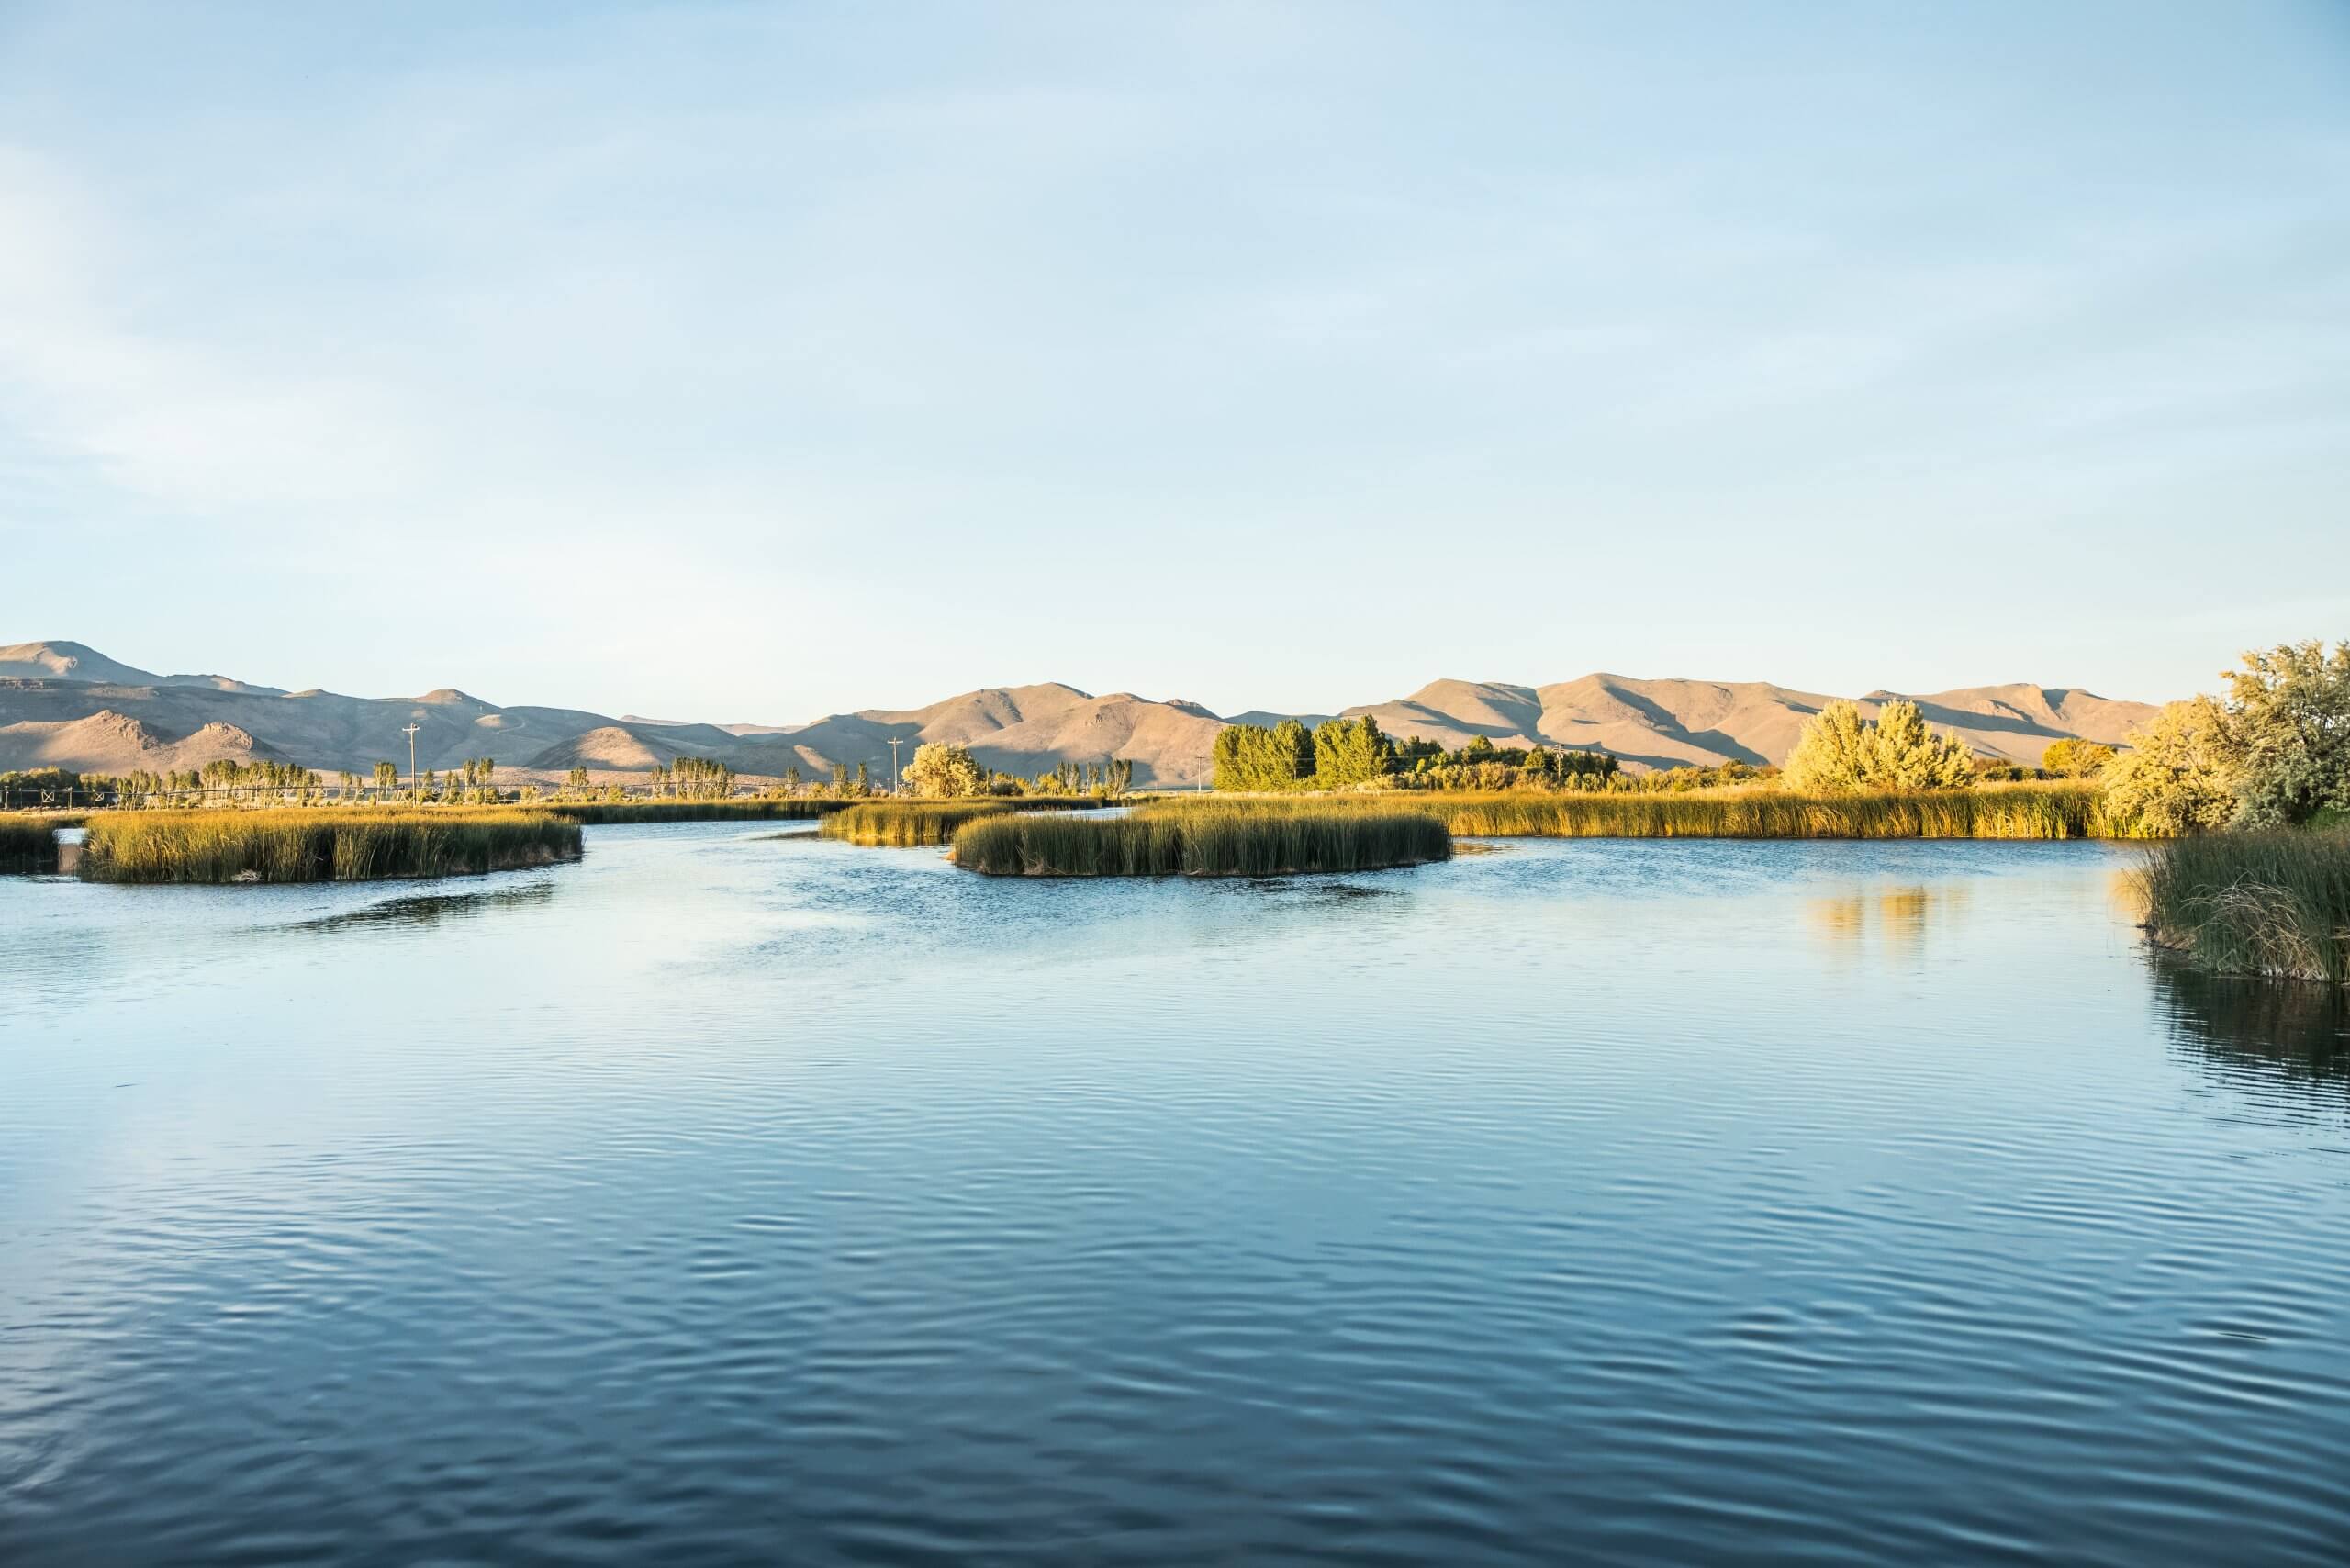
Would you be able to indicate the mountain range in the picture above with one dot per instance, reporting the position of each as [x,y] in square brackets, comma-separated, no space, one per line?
[65,705]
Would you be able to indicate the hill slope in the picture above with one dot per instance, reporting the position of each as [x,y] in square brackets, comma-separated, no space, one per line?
[63,704]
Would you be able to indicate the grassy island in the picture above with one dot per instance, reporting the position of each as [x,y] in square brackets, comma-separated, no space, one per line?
[2274,903]
[311,846]
[906,825]
[794,808]
[27,846]
[1258,839]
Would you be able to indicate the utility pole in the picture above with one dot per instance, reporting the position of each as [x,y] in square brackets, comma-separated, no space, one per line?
[410,732]
[895,742]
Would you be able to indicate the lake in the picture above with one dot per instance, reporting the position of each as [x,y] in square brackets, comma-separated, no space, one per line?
[737,1196]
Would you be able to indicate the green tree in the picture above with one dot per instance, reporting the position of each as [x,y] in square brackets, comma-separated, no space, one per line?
[1348,752]
[2179,776]
[1842,753]
[948,771]
[2288,724]
[2076,758]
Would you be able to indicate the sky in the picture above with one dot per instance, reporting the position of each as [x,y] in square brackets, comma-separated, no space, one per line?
[747,362]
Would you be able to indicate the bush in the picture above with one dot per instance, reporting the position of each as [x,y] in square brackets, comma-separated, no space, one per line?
[2074,758]
[945,771]
[1842,753]
[2179,775]
[2288,731]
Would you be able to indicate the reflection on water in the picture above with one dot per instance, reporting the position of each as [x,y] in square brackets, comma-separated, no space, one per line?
[1893,921]
[425,909]
[2290,1033]
[719,1200]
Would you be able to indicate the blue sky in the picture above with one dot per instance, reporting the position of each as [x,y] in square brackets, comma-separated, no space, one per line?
[751,362]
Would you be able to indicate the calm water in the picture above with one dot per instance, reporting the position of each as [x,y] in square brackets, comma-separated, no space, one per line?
[732,1197]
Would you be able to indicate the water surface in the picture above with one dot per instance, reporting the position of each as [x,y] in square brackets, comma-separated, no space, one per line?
[738,1196]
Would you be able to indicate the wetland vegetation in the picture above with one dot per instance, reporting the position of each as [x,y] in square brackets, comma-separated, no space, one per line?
[314,845]
[1219,839]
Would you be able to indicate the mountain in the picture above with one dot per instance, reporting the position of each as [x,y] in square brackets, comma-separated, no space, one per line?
[1666,724]
[65,705]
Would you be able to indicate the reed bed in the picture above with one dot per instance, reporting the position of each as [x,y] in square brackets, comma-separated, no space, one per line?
[2010,811]
[905,824]
[27,846]
[2254,903]
[1200,841]
[298,845]
[799,808]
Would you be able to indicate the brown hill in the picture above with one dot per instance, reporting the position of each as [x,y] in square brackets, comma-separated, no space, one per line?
[67,705]
[1665,724]
[111,743]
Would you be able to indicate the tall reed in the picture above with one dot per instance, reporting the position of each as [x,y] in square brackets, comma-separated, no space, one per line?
[310,845]
[605,813]
[27,846]
[1199,841]
[906,823]
[2254,903]
[2023,811]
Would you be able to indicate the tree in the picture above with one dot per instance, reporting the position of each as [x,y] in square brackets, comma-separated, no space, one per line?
[1842,753]
[577,780]
[387,777]
[2180,774]
[1348,752]
[2288,724]
[2076,759]
[1250,756]
[944,770]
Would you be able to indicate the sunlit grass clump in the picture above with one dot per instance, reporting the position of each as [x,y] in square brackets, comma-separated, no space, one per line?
[27,846]
[608,812]
[2021,810]
[1200,841]
[2254,903]
[298,845]
[903,825]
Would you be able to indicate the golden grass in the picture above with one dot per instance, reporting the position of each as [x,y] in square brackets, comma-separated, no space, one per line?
[2007,811]
[297,845]
[2274,903]
[1200,841]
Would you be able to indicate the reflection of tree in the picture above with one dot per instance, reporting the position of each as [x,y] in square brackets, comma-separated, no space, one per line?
[2289,1031]
[1897,917]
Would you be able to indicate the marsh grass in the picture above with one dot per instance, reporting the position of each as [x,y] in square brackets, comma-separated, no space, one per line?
[2254,903]
[2011,811]
[1200,841]
[27,846]
[608,812]
[905,824]
[311,846]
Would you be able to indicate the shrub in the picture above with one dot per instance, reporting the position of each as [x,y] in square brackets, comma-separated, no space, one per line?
[1840,752]
[2179,775]
[2074,758]
[2289,731]
[943,770]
